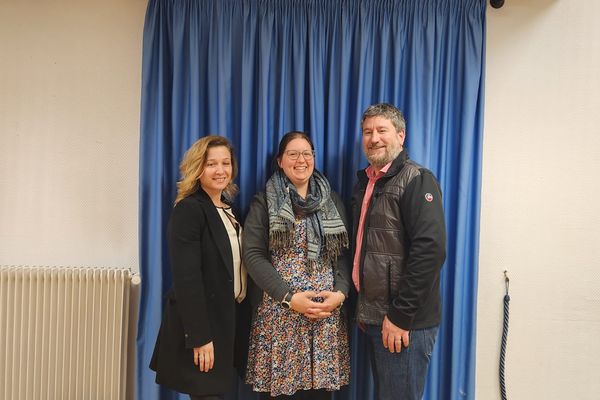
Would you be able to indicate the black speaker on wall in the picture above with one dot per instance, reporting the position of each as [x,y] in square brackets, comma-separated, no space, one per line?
[496,3]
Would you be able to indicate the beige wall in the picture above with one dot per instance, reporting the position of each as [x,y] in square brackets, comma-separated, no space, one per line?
[540,217]
[69,131]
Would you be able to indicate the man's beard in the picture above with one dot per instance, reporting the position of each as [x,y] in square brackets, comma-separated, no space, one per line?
[391,152]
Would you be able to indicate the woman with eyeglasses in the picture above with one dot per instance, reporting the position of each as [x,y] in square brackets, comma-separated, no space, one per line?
[199,336]
[294,246]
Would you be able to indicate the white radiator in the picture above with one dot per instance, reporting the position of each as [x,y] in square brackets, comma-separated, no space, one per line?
[67,333]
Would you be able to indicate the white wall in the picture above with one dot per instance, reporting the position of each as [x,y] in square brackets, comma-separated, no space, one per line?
[69,132]
[540,215]
[70,74]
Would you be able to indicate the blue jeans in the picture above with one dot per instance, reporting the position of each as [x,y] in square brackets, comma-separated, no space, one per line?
[400,376]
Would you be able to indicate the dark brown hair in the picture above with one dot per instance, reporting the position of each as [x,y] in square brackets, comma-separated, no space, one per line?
[288,137]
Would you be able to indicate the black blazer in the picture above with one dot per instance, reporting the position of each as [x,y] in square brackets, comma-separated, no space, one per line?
[200,307]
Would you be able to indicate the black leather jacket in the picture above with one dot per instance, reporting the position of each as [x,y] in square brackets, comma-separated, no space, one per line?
[403,249]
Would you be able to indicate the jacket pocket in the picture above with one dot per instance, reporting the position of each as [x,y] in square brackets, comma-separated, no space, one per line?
[375,278]
[389,281]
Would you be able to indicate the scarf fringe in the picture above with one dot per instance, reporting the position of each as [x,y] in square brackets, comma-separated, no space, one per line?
[280,239]
[333,247]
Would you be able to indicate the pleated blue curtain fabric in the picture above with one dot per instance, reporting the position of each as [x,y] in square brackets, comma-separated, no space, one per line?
[252,70]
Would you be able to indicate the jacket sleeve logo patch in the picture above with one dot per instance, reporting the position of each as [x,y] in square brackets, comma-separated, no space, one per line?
[429,197]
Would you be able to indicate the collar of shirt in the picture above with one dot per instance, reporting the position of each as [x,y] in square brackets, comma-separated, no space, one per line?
[372,173]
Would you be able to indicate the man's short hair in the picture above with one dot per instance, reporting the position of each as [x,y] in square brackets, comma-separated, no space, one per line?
[387,111]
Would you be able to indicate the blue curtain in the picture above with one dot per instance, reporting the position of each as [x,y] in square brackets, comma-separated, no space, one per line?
[253,69]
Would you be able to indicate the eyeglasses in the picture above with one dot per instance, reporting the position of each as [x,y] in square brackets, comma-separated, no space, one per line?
[295,154]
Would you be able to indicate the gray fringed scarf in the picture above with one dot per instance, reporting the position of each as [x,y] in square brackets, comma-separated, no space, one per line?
[325,230]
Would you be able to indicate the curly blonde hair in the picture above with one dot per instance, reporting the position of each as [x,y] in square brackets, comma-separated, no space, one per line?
[193,163]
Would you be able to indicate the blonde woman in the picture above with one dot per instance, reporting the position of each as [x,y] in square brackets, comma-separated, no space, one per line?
[194,352]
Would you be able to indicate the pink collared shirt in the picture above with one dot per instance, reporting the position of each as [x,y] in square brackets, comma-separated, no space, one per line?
[373,175]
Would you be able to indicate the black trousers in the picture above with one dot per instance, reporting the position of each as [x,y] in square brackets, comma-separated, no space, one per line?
[210,397]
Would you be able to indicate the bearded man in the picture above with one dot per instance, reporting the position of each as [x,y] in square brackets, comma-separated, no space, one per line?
[399,248]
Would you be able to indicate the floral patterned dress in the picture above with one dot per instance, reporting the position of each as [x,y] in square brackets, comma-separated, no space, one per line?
[288,351]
